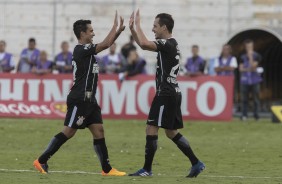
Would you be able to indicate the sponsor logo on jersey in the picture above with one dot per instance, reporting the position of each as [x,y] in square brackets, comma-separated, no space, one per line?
[95,68]
[172,80]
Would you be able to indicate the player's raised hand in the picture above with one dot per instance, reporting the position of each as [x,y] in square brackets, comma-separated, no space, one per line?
[121,25]
[137,18]
[116,19]
[131,21]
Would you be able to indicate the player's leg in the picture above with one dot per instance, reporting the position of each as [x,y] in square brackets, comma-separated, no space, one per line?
[150,150]
[183,144]
[70,127]
[97,130]
[100,147]
[152,128]
[56,142]
[151,146]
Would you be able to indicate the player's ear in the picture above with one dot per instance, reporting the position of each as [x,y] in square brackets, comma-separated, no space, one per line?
[82,34]
[164,28]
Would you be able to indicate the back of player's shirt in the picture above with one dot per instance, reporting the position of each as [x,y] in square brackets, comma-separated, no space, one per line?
[85,73]
[167,67]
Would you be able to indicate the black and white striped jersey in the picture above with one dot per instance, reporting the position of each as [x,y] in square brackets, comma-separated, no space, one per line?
[167,67]
[85,73]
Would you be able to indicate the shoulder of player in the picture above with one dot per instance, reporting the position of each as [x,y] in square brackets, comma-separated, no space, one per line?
[85,46]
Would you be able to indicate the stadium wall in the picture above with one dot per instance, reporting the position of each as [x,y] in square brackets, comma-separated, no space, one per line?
[208,23]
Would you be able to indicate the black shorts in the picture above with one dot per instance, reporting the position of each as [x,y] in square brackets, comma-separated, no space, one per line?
[82,114]
[166,113]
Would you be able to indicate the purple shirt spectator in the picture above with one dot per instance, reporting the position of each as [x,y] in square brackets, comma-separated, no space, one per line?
[195,64]
[250,77]
[28,57]
[7,63]
[63,61]
[42,65]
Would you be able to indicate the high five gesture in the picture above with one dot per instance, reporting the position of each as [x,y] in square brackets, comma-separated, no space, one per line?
[112,35]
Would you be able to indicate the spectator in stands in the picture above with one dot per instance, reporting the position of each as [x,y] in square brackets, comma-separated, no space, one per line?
[225,64]
[195,65]
[250,79]
[136,65]
[113,62]
[28,57]
[210,66]
[63,61]
[7,63]
[42,65]
[126,48]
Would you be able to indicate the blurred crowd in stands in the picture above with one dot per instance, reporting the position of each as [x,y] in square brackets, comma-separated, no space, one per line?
[32,60]
[128,63]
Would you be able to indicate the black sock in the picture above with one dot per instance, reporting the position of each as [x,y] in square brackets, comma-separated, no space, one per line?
[184,146]
[102,152]
[53,147]
[150,150]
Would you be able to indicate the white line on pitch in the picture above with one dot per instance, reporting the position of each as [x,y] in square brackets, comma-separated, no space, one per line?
[93,173]
[65,172]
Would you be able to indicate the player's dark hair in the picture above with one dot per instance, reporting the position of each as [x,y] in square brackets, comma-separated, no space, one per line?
[80,26]
[247,41]
[32,40]
[195,46]
[167,20]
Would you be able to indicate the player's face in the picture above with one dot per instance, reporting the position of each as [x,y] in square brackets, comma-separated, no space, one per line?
[157,29]
[2,47]
[89,34]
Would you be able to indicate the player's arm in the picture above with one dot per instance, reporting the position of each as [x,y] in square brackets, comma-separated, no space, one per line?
[138,34]
[112,35]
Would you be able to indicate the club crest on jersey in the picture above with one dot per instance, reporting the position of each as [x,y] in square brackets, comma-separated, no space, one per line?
[95,68]
[80,120]
[162,41]
[87,46]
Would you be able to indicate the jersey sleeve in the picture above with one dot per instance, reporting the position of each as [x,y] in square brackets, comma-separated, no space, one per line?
[88,49]
[163,45]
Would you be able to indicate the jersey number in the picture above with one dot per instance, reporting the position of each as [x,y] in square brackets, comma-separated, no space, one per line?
[174,71]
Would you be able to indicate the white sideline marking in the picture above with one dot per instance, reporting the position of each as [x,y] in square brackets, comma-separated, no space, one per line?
[65,172]
[93,173]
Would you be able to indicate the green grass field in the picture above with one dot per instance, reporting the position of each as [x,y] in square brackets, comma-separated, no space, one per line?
[234,152]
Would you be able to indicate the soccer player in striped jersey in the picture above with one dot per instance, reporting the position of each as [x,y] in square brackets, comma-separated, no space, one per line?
[83,109]
[165,110]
